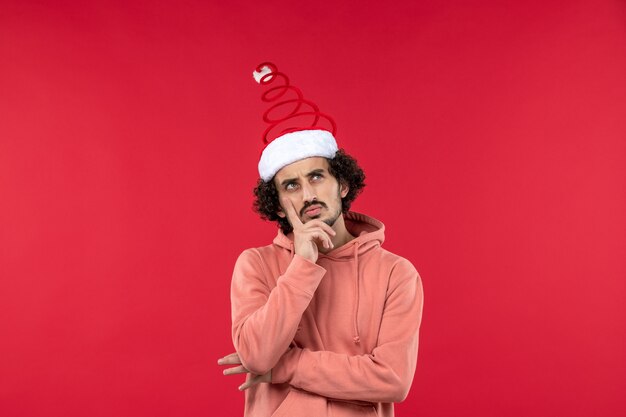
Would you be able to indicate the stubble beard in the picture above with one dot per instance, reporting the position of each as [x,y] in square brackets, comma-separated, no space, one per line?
[331,221]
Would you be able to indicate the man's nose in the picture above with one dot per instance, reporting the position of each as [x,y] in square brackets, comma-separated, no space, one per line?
[308,192]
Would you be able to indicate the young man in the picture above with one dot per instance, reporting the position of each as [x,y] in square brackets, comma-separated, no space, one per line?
[325,321]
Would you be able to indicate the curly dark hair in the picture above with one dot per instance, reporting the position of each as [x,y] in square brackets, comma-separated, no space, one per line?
[343,167]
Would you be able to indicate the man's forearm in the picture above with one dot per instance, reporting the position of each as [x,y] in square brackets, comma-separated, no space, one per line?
[370,378]
[264,323]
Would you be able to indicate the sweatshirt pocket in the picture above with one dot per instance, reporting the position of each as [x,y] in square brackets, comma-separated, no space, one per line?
[302,404]
[348,409]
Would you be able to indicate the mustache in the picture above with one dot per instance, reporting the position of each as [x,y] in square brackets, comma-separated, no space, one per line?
[312,203]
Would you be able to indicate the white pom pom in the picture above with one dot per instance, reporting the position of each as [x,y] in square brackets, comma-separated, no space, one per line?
[259,74]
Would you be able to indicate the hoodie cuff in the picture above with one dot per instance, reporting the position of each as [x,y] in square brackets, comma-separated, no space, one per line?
[285,368]
[303,274]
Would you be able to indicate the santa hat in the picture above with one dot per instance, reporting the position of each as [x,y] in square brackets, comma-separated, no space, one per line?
[297,129]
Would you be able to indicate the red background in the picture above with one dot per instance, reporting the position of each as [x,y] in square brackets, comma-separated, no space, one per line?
[493,137]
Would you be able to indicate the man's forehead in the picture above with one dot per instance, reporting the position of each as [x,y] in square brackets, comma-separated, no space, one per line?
[302,167]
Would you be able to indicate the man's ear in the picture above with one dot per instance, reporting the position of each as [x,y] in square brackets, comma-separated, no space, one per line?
[344,189]
[280,212]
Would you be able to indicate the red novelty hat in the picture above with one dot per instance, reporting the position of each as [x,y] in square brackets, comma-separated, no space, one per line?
[297,129]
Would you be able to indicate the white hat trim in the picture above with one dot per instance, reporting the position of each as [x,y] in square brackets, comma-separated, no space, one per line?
[294,146]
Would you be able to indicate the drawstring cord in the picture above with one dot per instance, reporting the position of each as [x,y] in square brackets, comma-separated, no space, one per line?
[356,339]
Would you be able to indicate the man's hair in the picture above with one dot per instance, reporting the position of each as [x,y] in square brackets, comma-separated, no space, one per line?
[342,166]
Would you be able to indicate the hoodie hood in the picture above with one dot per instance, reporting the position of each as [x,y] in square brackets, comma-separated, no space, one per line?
[368,232]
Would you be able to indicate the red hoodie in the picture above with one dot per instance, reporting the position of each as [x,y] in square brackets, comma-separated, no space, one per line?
[340,335]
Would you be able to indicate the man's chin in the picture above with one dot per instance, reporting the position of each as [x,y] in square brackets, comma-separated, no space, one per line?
[329,221]
[319,217]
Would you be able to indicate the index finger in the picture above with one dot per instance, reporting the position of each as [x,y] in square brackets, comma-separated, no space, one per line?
[290,211]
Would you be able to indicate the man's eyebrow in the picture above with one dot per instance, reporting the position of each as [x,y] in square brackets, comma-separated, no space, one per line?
[310,174]
[315,172]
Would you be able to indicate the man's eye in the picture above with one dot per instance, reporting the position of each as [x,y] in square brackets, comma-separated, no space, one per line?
[316,176]
[290,186]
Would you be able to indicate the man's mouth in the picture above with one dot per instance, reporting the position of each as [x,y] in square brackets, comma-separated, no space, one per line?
[313,210]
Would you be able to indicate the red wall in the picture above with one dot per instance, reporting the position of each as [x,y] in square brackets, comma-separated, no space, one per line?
[493,137]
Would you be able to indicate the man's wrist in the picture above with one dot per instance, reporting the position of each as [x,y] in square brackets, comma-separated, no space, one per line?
[285,368]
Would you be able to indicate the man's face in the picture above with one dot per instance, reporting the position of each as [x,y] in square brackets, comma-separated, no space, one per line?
[314,192]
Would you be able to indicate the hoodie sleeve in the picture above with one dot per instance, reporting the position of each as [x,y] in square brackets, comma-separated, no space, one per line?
[384,375]
[265,319]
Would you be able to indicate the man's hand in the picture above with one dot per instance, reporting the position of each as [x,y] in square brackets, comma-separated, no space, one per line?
[233,359]
[306,235]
